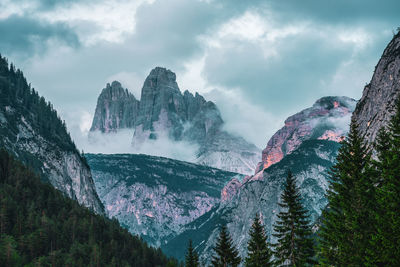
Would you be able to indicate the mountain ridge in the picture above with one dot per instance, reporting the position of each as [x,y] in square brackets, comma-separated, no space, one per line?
[156,197]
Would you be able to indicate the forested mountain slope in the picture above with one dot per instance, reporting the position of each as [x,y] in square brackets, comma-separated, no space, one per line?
[40,226]
[32,131]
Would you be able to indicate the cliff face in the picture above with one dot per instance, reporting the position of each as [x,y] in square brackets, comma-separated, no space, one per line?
[156,197]
[164,112]
[31,130]
[327,119]
[116,109]
[377,104]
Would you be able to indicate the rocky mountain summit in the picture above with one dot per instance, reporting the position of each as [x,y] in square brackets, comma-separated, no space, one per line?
[31,130]
[116,109]
[377,104]
[156,197]
[164,112]
[327,119]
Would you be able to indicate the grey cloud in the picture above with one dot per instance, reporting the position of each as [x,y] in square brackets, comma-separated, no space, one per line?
[295,77]
[51,4]
[338,11]
[25,36]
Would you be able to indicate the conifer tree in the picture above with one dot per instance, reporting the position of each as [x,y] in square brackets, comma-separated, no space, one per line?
[347,223]
[259,254]
[226,254]
[385,243]
[292,229]
[191,258]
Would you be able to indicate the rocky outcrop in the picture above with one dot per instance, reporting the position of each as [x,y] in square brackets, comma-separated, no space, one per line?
[156,197]
[328,119]
[230,190]
[164,112]
[116,109]
[31,130]
[377,104]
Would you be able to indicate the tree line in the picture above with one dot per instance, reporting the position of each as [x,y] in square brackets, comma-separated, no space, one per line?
[359,227]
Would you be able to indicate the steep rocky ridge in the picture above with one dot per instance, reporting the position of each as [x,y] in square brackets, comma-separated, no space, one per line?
[377,104]
[31,130]
[328,119]
[156,197]
[116,109]
[164,112]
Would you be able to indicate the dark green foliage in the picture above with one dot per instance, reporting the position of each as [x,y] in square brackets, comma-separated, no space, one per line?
[19,103]
[385,243]
[41,226]
[259,254]
[17,94]
[293,230]
[191,259]
[226,253]
[347,222]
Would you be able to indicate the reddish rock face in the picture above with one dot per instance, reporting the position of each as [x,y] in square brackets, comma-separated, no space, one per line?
[328,118]
[230,190]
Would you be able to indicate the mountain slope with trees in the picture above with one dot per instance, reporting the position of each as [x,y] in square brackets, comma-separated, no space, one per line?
[32,131]
[40,226]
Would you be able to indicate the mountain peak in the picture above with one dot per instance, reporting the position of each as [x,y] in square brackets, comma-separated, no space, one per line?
[163,73]
[116,108]
[115,91]
[328,119]
[331,102]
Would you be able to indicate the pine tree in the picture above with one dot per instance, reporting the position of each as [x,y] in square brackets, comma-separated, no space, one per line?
[227,254]
[385,243]
[293,230]
[259,254]
[347,223]
[191,258]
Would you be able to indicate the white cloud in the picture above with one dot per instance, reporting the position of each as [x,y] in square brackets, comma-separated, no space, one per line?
[191,77]
[120,142]
[97,21]
[93,21]
[10,7]
[241,117]
[79,123]
[358,37]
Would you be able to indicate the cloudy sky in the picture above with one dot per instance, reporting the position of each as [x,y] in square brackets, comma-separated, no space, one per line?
[260,61]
